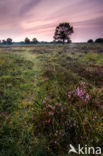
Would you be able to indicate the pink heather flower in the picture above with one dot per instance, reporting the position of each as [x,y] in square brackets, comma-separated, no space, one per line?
[58,104]
[69,95]
[62,109]
[49,121]
[51,107]
[44,101]
[94,117]
[87,96]
[56,134]
[55,142]
[82,83]
[74,124]
[80,92]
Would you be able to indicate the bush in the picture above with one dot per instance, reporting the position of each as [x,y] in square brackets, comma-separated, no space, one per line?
[90,41]
[99,40]
[57,125]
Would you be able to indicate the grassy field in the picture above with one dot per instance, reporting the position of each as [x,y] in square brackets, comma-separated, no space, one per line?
[50,96]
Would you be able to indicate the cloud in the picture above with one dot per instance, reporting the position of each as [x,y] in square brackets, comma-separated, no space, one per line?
[20,18]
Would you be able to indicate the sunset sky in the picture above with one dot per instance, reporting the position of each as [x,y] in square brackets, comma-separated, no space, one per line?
[38,18]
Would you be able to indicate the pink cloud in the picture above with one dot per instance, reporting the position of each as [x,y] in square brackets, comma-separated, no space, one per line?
[40,17]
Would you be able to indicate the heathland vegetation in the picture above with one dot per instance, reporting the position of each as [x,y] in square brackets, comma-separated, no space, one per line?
[50,96]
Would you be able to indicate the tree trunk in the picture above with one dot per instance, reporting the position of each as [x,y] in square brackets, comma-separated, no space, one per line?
[63,41]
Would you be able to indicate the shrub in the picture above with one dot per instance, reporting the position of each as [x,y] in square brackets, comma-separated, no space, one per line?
[99,40]
[90,41]
[57,125]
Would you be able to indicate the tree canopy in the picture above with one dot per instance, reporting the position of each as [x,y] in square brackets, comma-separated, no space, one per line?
[90,41]
[27,40]
[99,40]
[34,40]
[63,32]
[9,41]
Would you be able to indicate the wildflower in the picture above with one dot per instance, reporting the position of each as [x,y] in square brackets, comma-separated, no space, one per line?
[69,95]
[83,84]
[49,121]
[62,109]
[87,96]
[56,134]
[55,142]
[74,124]
[79,92]
[58,104]
[51,107]
[94,117]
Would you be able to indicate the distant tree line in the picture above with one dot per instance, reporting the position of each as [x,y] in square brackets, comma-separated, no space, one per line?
[27,41]
[61,35]
[9,41]
[98,40]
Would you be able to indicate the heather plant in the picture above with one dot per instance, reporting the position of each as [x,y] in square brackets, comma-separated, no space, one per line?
[79,93]
[57,125]
[63,85]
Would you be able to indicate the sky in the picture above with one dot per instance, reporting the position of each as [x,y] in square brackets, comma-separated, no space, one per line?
[39,18]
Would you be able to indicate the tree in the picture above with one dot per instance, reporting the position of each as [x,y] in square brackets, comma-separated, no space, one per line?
[69,40]
[62,32]
[99,40]
[9,41]
[34,40]
[4,41]
[27,40]
[90,41]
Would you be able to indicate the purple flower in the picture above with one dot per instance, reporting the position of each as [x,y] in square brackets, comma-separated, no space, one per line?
[94,117]
[87,96]
[58,104]
[51,107]
[83,84]
[49,121]
[79,92]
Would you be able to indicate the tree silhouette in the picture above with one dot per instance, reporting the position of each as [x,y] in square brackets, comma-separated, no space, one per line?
[4,41]
[62,32]
[34,40]
[27,40]
[99,40]
[9,41]
[90,41]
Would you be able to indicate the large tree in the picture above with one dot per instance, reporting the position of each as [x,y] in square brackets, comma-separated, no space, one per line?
[63,32]
[9,41]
